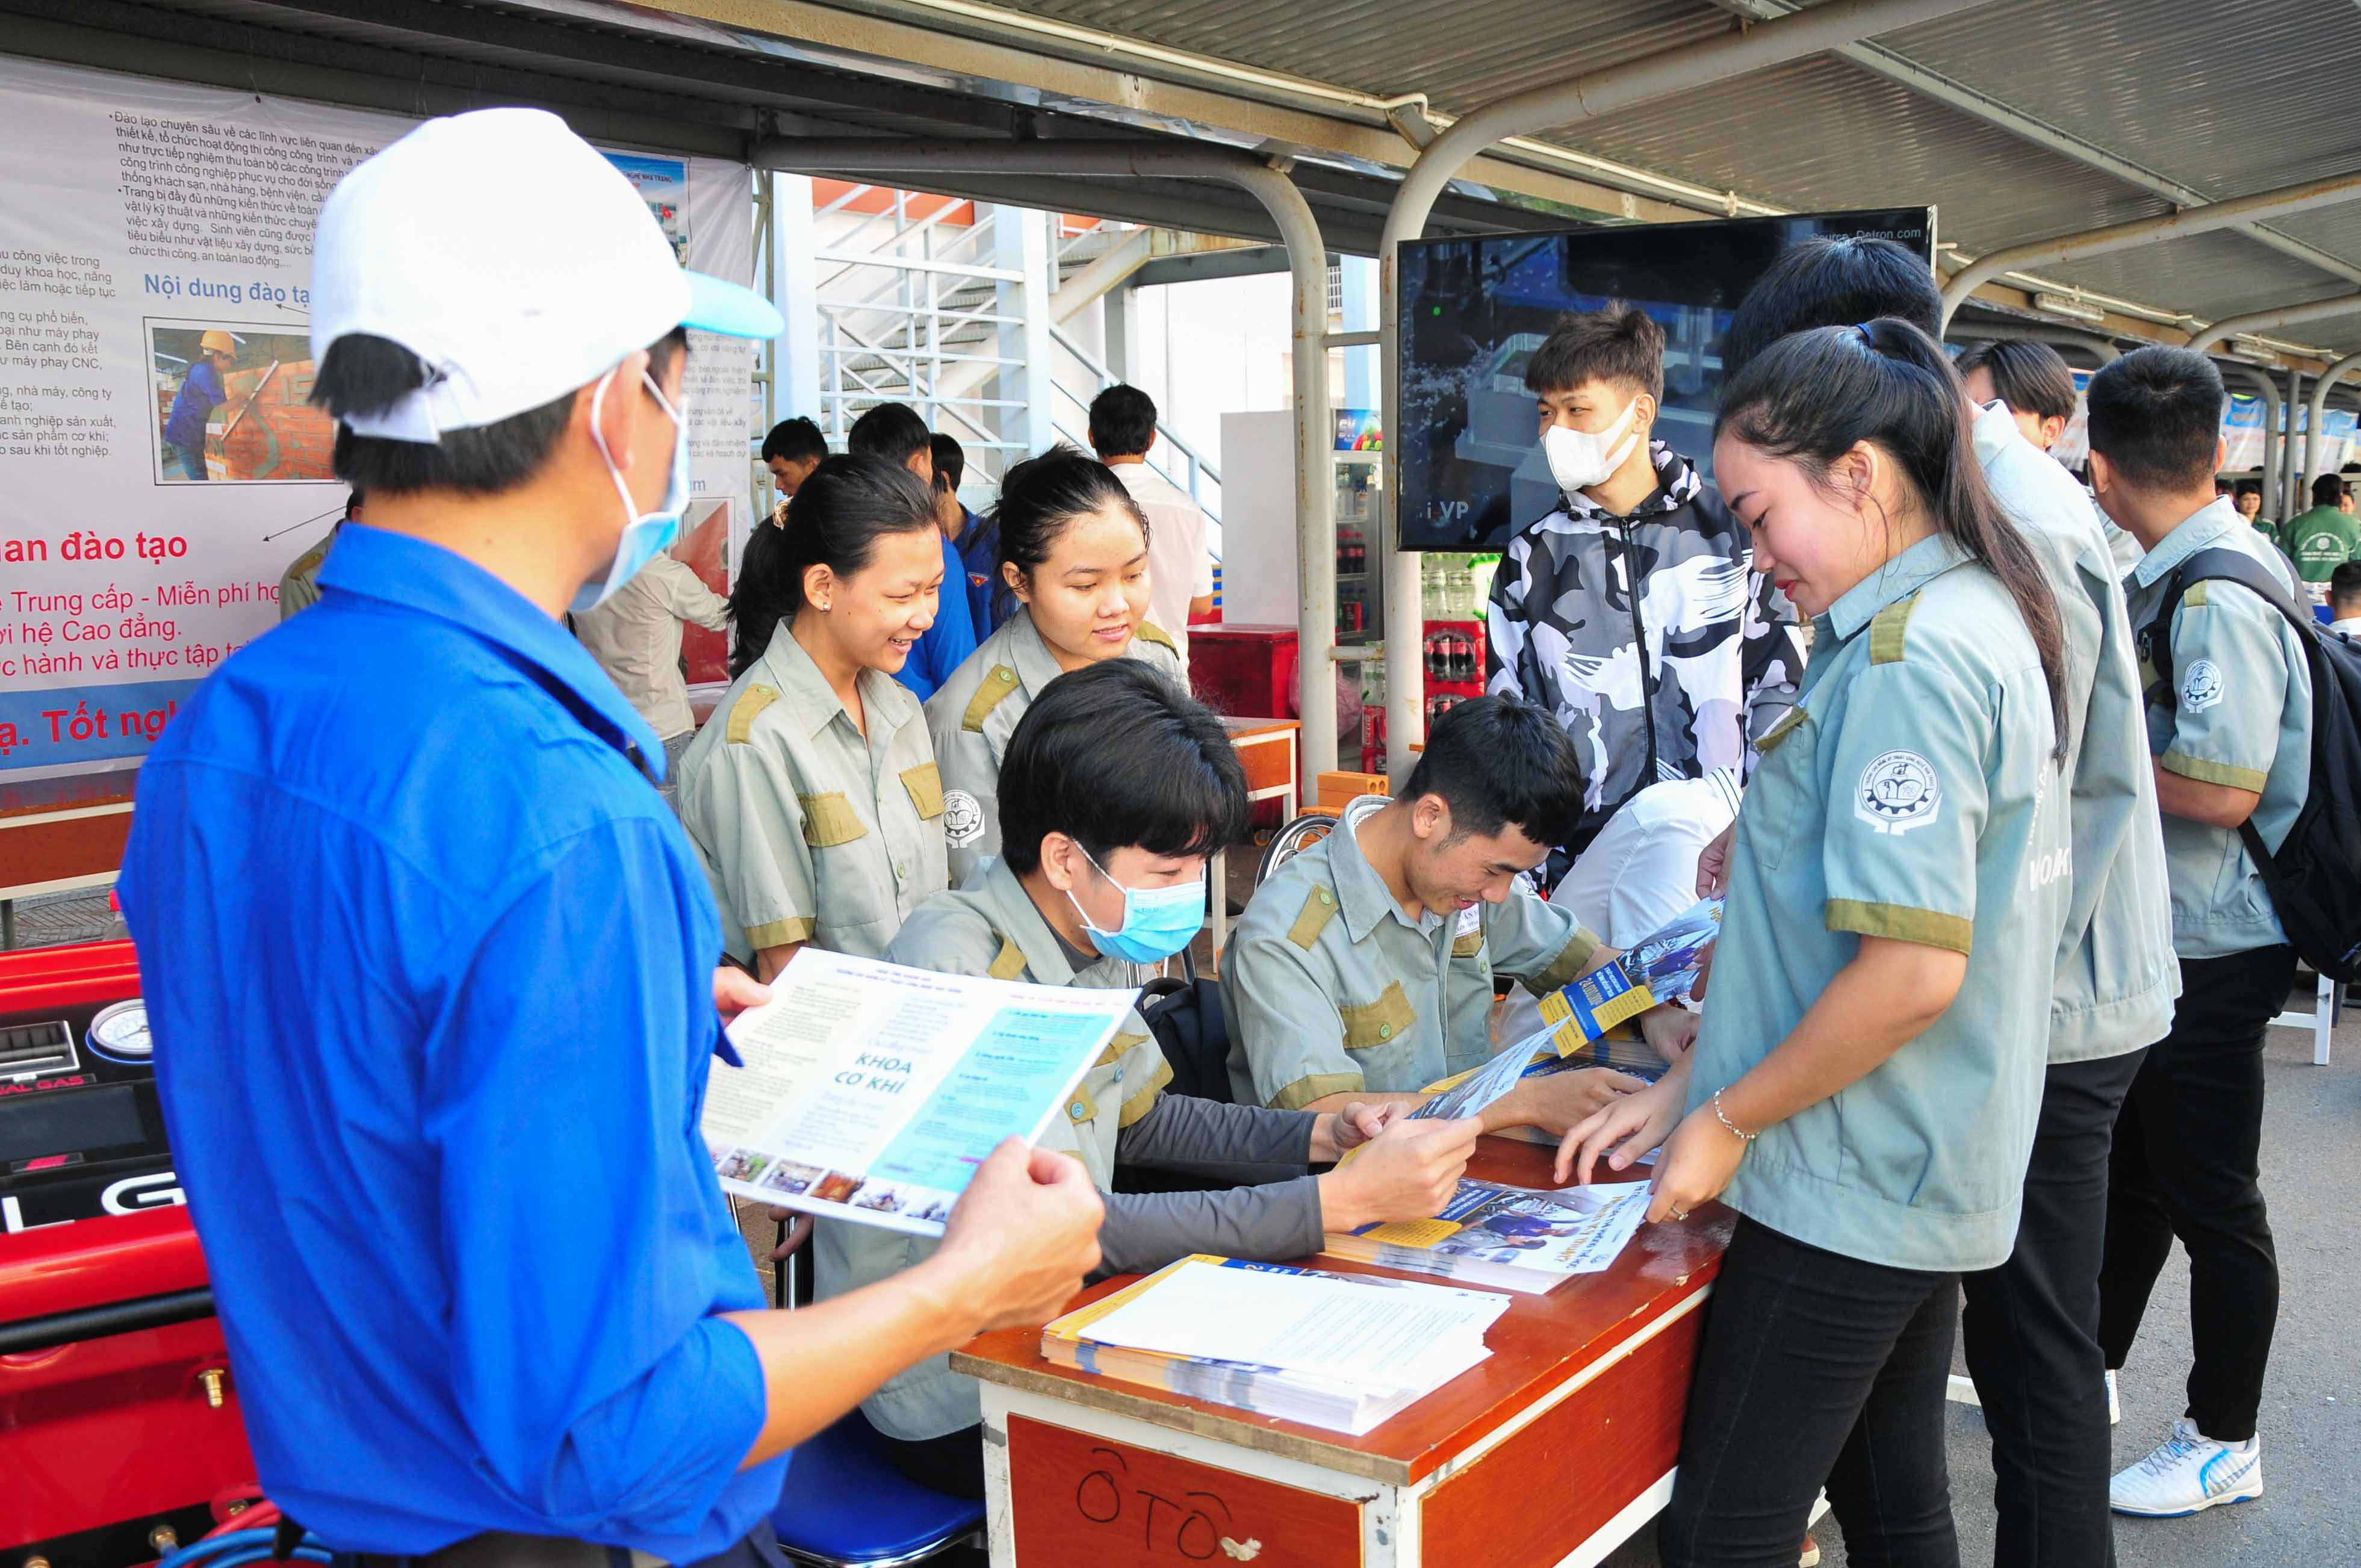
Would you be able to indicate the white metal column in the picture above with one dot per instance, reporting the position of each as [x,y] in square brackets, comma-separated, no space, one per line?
[1021,243]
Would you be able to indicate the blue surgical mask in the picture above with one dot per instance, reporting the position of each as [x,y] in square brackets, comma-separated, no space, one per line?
[648,534]
[1157,922]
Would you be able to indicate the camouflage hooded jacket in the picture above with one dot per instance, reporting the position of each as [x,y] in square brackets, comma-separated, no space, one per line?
[1679,679]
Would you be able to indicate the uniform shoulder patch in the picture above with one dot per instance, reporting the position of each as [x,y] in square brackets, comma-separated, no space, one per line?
[1319,908]
[1008,963]
[747,709]
[962,819]
[2194,597]
[1899,791]
[998,685]
[1150,632]
[1887,630]
[2200,685]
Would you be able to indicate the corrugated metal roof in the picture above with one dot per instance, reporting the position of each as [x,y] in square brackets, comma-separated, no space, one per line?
[1461,53]
[2223,99]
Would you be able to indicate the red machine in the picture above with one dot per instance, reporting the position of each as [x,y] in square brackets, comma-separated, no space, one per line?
[118,1413]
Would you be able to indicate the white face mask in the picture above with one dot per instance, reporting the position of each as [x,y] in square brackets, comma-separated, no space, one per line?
[646,534]
[1580,458]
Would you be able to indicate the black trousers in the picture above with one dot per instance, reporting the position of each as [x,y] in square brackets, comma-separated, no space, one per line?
[2031,1330]
[1816,1370]
[760,1549]
[2188,1164]
[953,1463]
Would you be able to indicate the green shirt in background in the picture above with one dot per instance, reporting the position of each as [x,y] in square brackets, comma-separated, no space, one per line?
[2320,541]
[1911,795]
[2239,714]
[1330,988]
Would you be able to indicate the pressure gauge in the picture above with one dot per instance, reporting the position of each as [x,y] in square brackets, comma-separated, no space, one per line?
[119,1033]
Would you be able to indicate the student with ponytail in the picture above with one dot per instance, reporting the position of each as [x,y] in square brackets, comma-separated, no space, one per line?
[812,793]
[1866,1081]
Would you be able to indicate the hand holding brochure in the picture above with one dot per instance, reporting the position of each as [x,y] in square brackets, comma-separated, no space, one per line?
[872,1092]
[1663,968]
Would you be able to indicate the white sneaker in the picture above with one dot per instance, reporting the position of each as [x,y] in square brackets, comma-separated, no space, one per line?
[2114,1406]
[2188,1473]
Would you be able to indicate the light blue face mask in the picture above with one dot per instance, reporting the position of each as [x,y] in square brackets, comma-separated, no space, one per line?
[648,533]
[1157,922]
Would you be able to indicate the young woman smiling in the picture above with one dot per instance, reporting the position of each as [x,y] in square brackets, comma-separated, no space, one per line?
[812,793]
[1073,553]
[1865,1083]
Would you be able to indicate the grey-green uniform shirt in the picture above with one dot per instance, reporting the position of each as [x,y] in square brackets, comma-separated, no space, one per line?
[974,713]
[2239,714]
[1910,794]
[1329,987]
[2117,975]
[991,928]
[810,831]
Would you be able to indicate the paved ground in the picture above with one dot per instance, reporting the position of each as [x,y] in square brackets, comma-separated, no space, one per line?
[2311,1509]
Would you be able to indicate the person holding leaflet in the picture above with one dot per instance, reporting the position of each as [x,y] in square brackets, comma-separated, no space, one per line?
[1116,789]
[455,912]
[1866,1083]
[1364,966]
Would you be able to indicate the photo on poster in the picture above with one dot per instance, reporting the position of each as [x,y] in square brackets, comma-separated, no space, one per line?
[704,548]
[663,184]
[233,404]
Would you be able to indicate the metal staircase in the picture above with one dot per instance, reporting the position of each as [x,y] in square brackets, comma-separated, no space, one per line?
[918,304]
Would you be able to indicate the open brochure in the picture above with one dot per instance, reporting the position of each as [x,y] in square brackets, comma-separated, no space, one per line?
[1662,968]
[872,1092]
[1352,1391]
[1513,1238]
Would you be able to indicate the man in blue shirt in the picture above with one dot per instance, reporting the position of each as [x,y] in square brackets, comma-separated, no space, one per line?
[976,539]
[895,433]
[430,967]
[202,389]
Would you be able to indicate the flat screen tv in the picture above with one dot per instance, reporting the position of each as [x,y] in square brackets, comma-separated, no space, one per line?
[1473,309]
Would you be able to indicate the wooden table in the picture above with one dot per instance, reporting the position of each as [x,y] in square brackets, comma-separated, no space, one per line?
[1266,747]
[1555,1449]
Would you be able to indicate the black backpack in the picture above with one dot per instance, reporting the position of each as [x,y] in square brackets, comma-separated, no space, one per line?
[2315,879]
[1185,1016]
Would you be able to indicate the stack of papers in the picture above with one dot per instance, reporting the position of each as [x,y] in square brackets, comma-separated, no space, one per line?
[1511,1238]
[1341,1350]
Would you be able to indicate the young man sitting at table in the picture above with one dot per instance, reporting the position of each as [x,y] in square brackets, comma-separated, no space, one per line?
[1362,969]
[1114,789]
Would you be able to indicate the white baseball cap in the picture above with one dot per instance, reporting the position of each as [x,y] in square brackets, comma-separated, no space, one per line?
[513,258]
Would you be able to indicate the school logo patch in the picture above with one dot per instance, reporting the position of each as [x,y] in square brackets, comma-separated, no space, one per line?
[1898,792]
[1470,921]
[2200,685]
[962,819]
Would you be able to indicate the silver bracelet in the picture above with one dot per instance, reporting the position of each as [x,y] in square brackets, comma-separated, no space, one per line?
[1723,1117]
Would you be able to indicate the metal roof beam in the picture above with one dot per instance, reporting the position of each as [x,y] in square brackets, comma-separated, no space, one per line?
[2328,378]
[1816,31]
[2282,315]
[1899,68]
[2148,231]
[2097,344]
